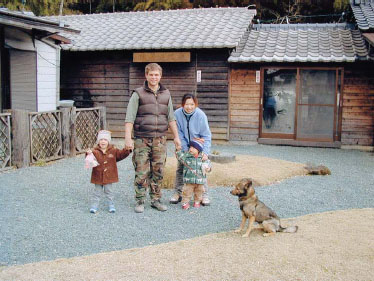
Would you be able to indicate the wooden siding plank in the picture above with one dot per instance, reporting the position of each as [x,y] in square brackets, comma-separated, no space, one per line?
[249,124]
[244,106]
[243,137]
[358,106]
[245,100]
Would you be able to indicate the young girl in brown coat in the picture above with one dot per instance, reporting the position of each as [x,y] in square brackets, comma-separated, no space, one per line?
[106,173]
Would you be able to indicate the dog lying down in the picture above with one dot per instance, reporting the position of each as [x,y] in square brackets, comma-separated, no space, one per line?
[256,211]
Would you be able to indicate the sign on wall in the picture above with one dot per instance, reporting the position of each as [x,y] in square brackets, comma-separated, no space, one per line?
[198,76]
[258,76]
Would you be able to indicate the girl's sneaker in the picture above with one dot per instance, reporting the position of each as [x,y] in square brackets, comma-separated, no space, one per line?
[185,206]
[112,209]
[196,205]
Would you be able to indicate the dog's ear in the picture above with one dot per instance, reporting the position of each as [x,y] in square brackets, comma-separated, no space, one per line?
[251,191]
[248,183]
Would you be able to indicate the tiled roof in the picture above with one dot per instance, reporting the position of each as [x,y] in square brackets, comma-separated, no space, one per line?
[174,29]
[300,43]
[363,11]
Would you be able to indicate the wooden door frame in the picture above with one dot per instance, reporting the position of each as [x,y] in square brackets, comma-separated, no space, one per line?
[337,104]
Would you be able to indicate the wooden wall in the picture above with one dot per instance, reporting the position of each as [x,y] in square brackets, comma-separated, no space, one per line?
[358,105]
[244,105]
[98,79]
[107,79]
[357,126]
[213,90]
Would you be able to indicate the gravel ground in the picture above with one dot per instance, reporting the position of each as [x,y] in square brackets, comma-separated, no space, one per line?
[44,210]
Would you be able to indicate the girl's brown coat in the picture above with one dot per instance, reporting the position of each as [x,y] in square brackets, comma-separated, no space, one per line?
[107,171]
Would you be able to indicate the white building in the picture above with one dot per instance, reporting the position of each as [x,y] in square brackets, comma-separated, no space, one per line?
[30,61]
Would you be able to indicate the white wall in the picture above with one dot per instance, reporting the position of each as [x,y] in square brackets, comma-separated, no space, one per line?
[48,67]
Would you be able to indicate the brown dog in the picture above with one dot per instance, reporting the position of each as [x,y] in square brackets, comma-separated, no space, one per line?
[254,210]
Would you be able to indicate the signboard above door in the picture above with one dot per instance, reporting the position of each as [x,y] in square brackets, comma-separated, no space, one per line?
[162,57]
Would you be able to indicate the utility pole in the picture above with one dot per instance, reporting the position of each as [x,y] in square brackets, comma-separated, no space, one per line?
[61,7]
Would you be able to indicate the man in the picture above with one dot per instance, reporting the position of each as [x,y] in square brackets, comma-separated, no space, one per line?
[149,113]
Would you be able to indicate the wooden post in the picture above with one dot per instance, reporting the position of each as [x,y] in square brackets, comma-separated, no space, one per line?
[21,138]
[73,134]
[65,131]
[103,125]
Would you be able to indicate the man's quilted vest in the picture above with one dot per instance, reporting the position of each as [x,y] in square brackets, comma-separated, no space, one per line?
[152,116]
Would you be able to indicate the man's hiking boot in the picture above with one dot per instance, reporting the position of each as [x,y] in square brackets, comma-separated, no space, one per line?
[157,205]
[175,198]
[139,207]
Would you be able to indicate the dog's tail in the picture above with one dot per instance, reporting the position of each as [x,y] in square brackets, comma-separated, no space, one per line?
[289,229]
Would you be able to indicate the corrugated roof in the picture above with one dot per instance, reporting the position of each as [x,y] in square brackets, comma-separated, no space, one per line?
[301,43]
[174,29]
[28,20]
[363,11]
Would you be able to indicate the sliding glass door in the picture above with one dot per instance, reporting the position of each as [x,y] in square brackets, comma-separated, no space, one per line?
[300,104]
[279,98]
[316,105]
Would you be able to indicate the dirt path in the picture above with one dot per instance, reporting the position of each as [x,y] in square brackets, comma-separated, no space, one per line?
[255,167]
[329,246]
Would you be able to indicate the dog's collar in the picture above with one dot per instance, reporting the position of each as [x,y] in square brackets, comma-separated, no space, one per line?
[241,196]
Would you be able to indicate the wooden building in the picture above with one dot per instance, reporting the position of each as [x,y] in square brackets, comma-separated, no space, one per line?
[308,85]
[30,59]
[106,61]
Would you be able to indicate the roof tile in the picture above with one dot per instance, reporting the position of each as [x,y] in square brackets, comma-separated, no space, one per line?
[174,29]
[364,14]
[300,43]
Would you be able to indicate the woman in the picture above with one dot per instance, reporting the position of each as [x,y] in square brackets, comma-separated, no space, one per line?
[192,124]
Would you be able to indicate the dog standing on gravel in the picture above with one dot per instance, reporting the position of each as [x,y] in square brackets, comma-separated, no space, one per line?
[255,210]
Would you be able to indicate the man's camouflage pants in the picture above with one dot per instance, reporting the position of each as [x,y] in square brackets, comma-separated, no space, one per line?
[149,161]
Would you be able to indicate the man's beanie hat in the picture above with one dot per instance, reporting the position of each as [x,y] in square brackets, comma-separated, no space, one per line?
[104,134]
[196,145]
